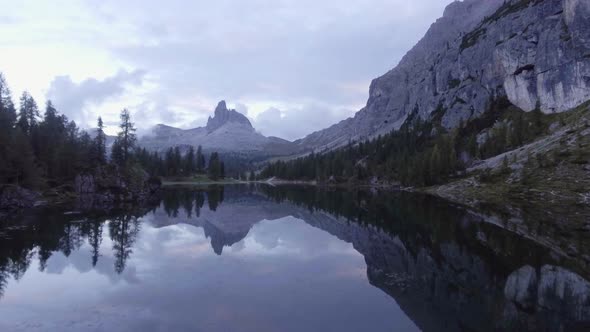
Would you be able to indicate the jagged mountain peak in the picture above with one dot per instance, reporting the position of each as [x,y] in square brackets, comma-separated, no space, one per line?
[227,131]
[224,115]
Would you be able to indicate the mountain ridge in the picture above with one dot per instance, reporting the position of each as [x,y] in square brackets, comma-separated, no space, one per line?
[228,131]
[532,52]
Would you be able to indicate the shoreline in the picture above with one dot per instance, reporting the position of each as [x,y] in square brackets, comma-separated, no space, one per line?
[465,191]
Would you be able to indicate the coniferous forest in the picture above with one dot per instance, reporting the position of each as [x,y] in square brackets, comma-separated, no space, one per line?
[41,148]
[420,153]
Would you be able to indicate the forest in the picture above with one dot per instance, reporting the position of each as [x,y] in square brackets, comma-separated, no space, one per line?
[420,153]
[48,150]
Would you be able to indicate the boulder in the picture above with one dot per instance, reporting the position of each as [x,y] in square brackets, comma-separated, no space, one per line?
[521,287]
[14,197]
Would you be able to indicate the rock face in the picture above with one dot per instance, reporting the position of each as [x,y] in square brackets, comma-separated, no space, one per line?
[227,132]
[521,287]
[555,293]
[532,52]
[224,115]
[108,185]
[15,198]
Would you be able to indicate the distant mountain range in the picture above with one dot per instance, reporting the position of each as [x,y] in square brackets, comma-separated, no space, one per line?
[228,131]
[529,52]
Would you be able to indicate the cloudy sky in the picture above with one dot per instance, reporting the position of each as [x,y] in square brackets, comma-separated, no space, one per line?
[293,66]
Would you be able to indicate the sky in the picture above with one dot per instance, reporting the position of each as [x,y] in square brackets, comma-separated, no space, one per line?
[292,66]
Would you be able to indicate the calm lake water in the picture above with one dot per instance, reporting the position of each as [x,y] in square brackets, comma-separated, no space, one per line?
[261,258]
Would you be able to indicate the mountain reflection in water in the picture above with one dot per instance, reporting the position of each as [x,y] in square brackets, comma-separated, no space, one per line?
[259,258]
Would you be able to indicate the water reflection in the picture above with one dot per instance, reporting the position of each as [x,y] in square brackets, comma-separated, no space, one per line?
[445,268]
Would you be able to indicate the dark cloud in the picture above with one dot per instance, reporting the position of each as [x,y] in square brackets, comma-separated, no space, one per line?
[72,98]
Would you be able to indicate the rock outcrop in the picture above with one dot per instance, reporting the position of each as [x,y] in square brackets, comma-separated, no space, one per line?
[14,198]
[553,292]
[532,52]
[223,115]
[109,185]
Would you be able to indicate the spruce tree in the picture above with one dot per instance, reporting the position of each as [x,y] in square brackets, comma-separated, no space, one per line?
[214,169]
[189,163]
[126,139]
[28,113]
[7,122]
[200,160]
[100,143]
[7,109]
[170,167]
[24,171]
[178,168]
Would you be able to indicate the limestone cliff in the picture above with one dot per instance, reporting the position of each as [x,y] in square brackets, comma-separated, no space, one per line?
[532,52]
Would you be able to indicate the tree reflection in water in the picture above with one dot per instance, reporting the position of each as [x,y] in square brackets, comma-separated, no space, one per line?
[440,262]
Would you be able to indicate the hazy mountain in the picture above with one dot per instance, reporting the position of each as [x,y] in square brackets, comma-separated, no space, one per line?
[228,131]
[531,52]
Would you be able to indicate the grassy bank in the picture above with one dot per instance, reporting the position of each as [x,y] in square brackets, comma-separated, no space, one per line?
[552,173]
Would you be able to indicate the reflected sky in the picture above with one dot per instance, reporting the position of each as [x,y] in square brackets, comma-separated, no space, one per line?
[261,258]
[277,278]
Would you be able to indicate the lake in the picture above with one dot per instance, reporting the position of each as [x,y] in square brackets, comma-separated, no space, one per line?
[288,258]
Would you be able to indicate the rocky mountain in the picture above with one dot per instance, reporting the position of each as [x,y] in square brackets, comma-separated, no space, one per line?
[530,52]
[228,131]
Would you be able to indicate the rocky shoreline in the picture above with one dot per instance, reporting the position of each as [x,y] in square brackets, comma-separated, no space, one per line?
[102,188]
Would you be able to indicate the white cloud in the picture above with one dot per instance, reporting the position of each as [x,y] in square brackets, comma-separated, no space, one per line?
[73,99]
[289,54]
[296,122]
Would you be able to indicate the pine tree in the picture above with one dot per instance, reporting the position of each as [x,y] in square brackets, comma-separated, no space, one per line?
[178,170]
[7,109]
[100,143]
[200,160]
[24,171]
[189,162]
[48,140]
[7,122]
[117,152]
[214,169]
[170,167]
[28,113]
[126,139]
